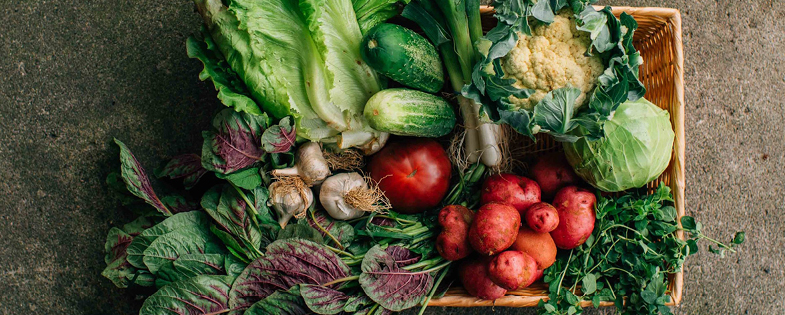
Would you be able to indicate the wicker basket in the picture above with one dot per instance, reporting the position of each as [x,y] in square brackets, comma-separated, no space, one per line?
[658,38]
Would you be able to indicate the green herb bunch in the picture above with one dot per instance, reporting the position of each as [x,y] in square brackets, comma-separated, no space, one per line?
[636,244]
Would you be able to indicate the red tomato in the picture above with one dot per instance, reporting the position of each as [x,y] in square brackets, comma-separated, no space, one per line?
[413,173]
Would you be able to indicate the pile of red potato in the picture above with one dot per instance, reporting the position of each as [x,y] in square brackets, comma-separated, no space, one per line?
[508,242]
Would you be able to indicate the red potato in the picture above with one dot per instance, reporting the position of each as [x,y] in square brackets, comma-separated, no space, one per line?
[517,191]
[538,245]
[552,172]
[494,228]
[542,217]
[474,277]
[536,276]
[453,242]
[576,216]
[512,269]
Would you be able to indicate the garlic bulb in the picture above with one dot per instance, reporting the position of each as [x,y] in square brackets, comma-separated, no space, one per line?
[290,197]
[334,190]
[310,165]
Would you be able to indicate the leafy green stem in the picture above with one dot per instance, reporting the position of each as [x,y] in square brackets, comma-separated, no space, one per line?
[424,263]
[340,251]
[564,273]
[337,242]
[345,279]
[433,290]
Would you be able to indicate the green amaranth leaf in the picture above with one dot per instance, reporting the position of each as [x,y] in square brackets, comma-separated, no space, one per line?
[136,179]
[230,211]
[280,138]
[140,243]
[178,203]
[248,178]
[201,295]
[233,266]
[167,248]
[186,166]
[386,283]
[231,90]
[191,265]
[300,231]
[323,300]
[285,264]
[281,302]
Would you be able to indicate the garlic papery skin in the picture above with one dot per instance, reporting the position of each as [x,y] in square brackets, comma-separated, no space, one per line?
[290,198]
[310,165]
[333,191]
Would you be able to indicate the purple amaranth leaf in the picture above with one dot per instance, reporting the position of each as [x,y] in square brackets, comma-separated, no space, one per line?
[392,287]
[383,221]
[118,269]
[186,166]
[343,232]
[200,295]
[280,303]
[372,311]
[323,300]
[178,204]
[402,255]
[287,263]
[356,303]
[136,179]
[235,142]
[138,226]
[117,242]
[280,138]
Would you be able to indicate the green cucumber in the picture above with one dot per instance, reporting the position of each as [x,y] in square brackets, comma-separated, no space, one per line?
[404,56]
[406,112]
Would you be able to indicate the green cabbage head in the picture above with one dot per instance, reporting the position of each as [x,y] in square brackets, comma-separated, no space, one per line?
[636,149]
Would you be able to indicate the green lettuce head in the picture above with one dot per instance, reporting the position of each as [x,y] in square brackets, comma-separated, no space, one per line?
[636,148]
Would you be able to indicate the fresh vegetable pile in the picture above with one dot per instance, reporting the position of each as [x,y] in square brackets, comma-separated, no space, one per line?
[336,182]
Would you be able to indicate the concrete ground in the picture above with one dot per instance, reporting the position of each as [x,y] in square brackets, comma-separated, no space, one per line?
[75,74]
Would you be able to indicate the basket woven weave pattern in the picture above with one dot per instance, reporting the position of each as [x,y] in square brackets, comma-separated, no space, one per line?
[658,39]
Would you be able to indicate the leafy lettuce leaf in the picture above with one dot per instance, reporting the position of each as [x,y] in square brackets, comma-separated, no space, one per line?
[269,50]
[298,61]
[231,90]
[374,12]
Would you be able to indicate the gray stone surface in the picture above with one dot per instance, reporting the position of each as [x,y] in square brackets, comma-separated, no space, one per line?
[73,75]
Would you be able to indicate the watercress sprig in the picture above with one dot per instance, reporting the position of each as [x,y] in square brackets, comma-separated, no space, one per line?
[627,259]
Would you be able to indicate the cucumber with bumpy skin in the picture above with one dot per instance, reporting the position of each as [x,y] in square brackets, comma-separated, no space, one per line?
[406,112]
[404,56]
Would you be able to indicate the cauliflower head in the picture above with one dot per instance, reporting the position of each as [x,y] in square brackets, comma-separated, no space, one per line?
[552,58]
